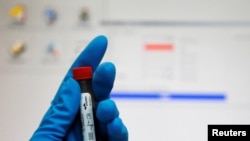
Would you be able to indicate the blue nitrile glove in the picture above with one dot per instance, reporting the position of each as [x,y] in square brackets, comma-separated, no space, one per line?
[62,120]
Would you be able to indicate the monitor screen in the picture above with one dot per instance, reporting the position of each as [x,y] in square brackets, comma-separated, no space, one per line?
[180,65]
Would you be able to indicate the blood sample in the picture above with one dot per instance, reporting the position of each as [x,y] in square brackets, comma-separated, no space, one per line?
[84,77]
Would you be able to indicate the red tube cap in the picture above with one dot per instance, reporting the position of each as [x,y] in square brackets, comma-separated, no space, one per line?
[82,73]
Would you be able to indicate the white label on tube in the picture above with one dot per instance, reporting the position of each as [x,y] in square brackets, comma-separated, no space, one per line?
[87,117]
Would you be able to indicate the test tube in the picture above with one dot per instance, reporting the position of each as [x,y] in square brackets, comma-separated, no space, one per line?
[83,75]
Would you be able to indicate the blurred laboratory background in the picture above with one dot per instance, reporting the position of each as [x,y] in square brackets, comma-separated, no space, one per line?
[181,64]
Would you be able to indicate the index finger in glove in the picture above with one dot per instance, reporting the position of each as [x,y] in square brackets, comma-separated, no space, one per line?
[90,56]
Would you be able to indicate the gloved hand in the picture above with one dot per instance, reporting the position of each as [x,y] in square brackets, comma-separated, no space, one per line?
[62,120]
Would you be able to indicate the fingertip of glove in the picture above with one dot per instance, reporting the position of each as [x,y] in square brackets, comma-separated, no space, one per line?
[68,86]
[117,130]
[102,39]
[73,85]
[70,89]
[106,111]
[103,80]
[106,68]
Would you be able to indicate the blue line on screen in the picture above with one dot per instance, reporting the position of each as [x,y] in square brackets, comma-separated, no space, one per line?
[196,96]
[170,96]
[136,95]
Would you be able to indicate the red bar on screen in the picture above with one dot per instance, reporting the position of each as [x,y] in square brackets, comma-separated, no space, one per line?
[158,47]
